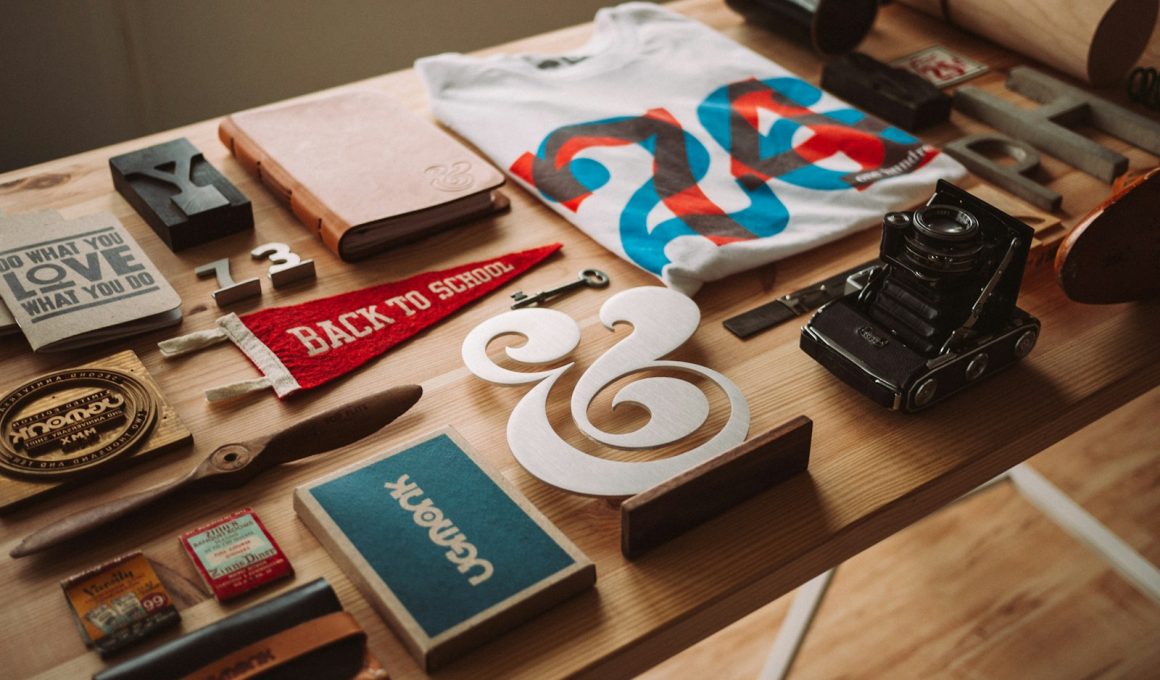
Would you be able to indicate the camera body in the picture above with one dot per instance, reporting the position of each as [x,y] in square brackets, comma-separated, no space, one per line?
[938,313]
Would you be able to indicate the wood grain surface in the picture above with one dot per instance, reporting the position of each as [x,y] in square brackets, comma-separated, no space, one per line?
[872,471]
[987,587]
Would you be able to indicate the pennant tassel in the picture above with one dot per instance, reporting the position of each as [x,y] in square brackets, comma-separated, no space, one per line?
[236,389]
[300,347]
[188,344]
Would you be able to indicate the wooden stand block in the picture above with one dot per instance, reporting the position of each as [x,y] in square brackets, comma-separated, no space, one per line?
[671,508]
[168,432]
[182,197]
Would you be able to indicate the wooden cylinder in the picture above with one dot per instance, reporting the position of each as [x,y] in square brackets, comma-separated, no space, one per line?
[1096,41]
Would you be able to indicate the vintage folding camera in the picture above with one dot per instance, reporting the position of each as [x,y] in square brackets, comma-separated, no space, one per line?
[938,313]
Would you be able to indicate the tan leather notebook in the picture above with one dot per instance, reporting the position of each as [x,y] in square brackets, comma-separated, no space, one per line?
[362,171]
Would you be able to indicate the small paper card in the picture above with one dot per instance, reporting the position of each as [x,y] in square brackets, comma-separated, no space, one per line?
[71,283]
[444,548]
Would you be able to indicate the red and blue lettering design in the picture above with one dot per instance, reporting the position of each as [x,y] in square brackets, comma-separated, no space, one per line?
[680,161]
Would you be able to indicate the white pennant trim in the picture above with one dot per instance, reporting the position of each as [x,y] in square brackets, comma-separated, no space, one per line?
[230,327]
[277,375]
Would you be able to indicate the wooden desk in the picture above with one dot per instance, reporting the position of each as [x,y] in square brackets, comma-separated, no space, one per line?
[872,471]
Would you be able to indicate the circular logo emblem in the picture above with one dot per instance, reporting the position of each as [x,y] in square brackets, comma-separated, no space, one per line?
[68,421]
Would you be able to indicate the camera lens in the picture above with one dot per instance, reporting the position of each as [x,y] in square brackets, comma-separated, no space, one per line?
[945,240]
[946,223]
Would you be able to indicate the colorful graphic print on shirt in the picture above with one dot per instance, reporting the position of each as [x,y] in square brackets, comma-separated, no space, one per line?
[680,161]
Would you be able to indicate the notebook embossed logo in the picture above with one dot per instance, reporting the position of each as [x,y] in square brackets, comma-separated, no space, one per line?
[455,177]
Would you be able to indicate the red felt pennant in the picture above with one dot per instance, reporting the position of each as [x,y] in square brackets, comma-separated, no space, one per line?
[303,346]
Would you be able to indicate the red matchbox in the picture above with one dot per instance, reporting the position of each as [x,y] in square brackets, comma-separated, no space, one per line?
[236,554]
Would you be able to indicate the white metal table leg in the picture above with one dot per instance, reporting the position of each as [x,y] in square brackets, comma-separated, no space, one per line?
[1079,523]
[795,626]
[1052,502]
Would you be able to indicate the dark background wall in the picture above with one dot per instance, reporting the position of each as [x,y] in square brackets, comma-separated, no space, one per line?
[78,74]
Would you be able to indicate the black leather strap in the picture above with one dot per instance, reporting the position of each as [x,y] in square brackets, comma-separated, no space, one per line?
[190,652]
[789,306]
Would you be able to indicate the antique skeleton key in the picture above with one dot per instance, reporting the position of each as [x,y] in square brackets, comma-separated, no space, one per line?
[592,278]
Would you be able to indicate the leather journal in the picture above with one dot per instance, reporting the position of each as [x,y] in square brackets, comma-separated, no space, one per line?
[362,171]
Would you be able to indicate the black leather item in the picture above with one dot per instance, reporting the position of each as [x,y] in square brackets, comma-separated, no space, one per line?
[896,95]
[190,652]
[758,319]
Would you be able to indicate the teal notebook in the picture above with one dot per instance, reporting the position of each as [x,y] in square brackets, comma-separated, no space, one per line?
[447,551]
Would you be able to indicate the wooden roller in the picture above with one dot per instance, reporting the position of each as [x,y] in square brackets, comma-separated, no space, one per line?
[1096,41]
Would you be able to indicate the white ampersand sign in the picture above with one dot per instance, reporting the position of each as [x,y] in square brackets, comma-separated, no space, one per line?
[662,320]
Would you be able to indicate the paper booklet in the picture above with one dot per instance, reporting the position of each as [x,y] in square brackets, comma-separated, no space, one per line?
[72,283]
[361,171]
[7,321]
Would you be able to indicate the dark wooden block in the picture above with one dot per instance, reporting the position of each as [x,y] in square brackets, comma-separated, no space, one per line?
[671,508]
[182,197]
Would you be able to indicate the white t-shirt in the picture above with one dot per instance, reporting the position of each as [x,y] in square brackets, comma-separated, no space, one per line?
[680,150]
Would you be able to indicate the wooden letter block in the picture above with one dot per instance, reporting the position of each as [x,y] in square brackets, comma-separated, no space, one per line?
[182,197]
[671,508]
[447,551]
[972,150]
[1063,105]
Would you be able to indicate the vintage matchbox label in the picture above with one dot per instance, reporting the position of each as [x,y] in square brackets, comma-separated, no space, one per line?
[119,602]
[236,554]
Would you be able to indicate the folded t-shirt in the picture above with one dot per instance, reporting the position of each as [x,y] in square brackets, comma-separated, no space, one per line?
[680,150]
